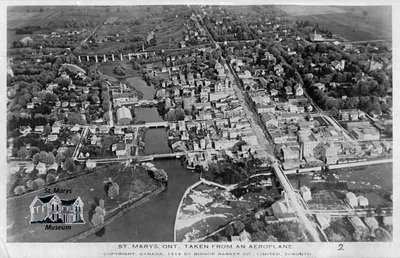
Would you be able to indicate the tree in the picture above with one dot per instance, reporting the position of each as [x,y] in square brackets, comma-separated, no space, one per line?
[49,159]
[40,183]
[95,99]
[106,105]
[50,179]
[83,97]
[256,225]
[30,184]
[23,152]
[229,231]
[69,165]
[76,118]
[99,214]
[97,219]
[334,112]
[106,116]
[60,157]
[47,129]
[239,225]
[75,139]
[19,189]
[39,157]
[113,190]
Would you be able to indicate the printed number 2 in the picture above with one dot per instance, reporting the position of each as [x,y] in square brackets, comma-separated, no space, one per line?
[340,247]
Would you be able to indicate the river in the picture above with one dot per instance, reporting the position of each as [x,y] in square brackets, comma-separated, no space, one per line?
[154,220]
[140,85]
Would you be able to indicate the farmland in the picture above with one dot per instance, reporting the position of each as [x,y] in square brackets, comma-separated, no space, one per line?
[351,23]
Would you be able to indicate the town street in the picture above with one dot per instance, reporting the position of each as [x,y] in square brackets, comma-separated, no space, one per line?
[291,196]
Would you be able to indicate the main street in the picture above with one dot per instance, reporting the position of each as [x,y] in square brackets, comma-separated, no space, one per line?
[290,194]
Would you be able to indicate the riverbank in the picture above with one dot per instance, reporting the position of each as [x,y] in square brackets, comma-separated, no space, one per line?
[131,204]
[132,181]
[154,220]
[207,206]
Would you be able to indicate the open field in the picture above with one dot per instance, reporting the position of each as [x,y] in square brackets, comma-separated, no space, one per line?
[300,10]
[350,22]
[350,27]
[249,10]
[90,188]
[32,16]
[108,69]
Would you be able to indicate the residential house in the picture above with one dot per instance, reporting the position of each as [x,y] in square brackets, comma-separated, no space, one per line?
[288,90]
[119,148]
[362,201]
[306,193]
[351,199]
[24,130]
[298,90]
[320,86]
[52,209]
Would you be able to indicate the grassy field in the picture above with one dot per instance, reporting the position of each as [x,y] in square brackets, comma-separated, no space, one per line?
[28,15]
[350,22]
[301,10]
[107,69]
[248,10]
[90,188]
[351,27]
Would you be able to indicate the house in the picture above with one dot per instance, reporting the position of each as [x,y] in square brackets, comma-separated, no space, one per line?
[90,164]
[269,120]
[245,236]
[75,128]
[359,227]
[338,65]
[119,130]
[298,90]
[30,106]
[274,92]
[104,129]
[94,139]
[53,166]
[41,167]
[119,148]
[52,209]
[306,193]
[129,137]
[372,223]
[362,201]
[39,129]
[323,220]
[349,115]
[320,86]
[56,127]
[24,130]
[288,90]
[278,69]
[279,207]
[316,37]
[235,238]
[351,199]
[52,137]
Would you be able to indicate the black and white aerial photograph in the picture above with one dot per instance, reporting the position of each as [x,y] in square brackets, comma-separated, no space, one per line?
[199,124]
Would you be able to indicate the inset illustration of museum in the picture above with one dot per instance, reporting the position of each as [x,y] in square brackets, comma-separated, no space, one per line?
[52,209]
